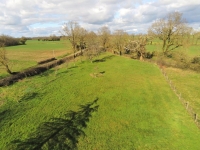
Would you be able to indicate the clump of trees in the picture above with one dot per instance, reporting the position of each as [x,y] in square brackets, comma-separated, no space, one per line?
[11,41]
[104,34]
[172,31]
[119,41]
[137,48]
[93,46]
[52,37]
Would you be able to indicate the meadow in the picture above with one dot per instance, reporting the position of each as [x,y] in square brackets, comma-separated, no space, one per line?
[186,82]
[137,108]
[24,56]
[192,49]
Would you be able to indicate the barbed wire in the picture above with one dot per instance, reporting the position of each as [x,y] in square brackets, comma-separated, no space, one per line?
[184,102]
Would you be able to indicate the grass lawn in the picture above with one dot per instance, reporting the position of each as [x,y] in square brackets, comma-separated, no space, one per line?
[24,56]
[137,108]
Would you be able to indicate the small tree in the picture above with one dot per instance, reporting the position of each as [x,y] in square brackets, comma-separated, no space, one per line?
[119,40]
[82,39]
[138,46]
[93,46]
[4,60]
[22,40]
[104,36]
[72,30]
[173,31]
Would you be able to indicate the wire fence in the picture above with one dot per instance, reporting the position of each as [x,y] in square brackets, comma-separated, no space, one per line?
[185,103]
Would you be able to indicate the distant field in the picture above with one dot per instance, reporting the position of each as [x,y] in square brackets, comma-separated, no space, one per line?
[192,50]
[24,56]
[137,108]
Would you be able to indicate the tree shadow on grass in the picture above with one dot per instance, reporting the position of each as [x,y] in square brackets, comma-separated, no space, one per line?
[28,96]
[59,133]
[4,114]
[72,67]
[47,73]
[103,59]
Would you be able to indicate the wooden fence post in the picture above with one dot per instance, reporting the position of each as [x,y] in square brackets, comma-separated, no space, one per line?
[187,104]
[195,117]
[180,96]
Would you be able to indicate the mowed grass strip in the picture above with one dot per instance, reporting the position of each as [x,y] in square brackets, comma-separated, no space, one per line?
[137,108]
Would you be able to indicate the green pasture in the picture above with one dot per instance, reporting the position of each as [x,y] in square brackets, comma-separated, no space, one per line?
[137,108]
[186,82]
[192,48]
[24,56]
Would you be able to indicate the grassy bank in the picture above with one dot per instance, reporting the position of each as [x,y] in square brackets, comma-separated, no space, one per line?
[24,56]
[137,108]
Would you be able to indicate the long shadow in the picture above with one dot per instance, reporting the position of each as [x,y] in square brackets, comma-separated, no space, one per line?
[28,96]
[103,59]
[59,133]
[47,73]
[3,115]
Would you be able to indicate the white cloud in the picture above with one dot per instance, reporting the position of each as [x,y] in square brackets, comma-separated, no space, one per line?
[19,17]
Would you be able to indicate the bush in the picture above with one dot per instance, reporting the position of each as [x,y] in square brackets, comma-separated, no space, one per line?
[196,60]
[8,40]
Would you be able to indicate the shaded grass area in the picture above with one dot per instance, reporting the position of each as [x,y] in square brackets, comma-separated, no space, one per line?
[59,133]
[137,109]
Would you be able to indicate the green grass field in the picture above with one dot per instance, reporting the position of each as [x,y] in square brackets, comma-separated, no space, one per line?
[24,56]
[191,51]
[186,82]
[137,108]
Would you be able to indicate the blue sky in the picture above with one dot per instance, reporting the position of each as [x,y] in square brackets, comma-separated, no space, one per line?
[45,17]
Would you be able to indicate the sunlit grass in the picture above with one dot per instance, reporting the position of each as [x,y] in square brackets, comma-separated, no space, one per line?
[187,84]
[137,108]
[24,56]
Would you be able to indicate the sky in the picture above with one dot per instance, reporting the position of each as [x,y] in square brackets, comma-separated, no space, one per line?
[31,18]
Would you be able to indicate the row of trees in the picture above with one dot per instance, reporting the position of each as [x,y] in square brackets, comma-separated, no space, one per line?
[52,37]
[93,43]
[172,31]
[11,41]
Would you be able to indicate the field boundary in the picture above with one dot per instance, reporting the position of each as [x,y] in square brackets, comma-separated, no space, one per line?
[36,70]
[184,102]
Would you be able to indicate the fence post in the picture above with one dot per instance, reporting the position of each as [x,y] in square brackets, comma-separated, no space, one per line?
[180,96]
[195,117]
[187,104]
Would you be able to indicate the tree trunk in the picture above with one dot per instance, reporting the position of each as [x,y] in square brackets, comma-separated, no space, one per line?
[8,70]
[141,57]
[164,44]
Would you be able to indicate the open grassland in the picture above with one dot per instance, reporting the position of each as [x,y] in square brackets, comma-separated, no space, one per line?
[137,108]
[24,56]
[186,83]
[192,48]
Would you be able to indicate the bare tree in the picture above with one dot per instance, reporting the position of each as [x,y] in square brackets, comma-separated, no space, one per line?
[138,46]
[82,38]
[104,36]
[93,46]
[173,31]
[119,40]
[4,60]
[72,29]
